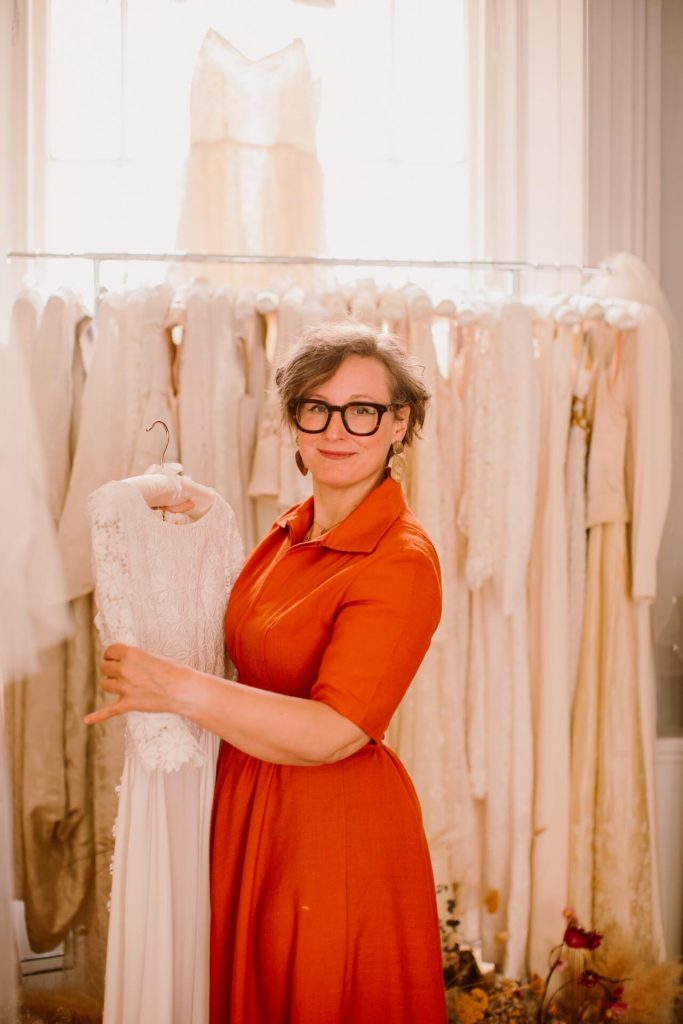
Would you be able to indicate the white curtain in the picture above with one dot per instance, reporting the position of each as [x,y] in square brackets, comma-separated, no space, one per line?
[623,148]
[527,129]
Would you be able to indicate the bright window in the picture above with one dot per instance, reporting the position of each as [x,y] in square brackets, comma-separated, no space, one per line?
[392,129]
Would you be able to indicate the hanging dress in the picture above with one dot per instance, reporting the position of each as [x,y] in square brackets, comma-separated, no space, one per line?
[507,814]
[428,729]
[275,483]
[323,904]
[32,601]
[52,796]
[253,181]
[216,435]
[549,646]
[129,385]
[575,484]
[498,510]
[612,875]
[162,586]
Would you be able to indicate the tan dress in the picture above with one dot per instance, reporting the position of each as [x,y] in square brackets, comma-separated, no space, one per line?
[610,881]
[53,840]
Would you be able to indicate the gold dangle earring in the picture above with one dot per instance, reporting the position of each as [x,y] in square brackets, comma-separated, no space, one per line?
[303,469]
[397,463]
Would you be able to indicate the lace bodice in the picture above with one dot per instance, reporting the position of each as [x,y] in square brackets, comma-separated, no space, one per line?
[253,183]
[163,587]
[266,102]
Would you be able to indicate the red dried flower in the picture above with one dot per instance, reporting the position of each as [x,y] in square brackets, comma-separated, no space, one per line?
[614,1005]
[577,937]
[589,979]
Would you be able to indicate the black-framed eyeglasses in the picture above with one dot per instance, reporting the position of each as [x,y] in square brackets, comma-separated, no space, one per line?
[312,415]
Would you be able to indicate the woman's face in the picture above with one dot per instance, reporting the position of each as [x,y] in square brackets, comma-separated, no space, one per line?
[337,458]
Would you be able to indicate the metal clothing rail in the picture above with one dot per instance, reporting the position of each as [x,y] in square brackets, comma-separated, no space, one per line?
[513,267]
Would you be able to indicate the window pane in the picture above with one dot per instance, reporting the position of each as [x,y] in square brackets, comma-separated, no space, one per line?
[392,132]
[84,80]
[429,81]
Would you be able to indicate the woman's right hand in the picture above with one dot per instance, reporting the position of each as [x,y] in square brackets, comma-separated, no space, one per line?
[141,682]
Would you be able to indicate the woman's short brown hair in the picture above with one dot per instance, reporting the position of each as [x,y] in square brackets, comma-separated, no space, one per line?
[322,349]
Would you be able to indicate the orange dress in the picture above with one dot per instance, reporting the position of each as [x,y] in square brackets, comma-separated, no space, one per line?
[323,908]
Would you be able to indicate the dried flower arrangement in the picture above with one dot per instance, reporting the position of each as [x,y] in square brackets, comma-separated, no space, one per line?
[586,982]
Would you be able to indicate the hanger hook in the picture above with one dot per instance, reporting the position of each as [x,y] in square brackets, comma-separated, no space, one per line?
[168,438]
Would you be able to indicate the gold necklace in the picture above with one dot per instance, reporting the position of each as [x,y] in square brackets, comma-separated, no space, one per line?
[323,529]
[326,529]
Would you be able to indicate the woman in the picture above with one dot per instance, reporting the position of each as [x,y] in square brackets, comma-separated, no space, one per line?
[323,906]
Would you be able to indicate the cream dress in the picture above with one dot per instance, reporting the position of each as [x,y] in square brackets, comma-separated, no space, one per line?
[216,437]
[548,592]
[275,483]
[162,586]
[428,729]
[253,181]
[128,386]
[496,512]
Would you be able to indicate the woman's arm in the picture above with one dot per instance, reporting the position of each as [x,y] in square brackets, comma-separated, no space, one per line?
[267,725]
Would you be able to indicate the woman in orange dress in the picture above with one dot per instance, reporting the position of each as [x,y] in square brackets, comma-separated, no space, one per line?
[322,896]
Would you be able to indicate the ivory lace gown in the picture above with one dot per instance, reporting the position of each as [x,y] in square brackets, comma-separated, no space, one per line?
[127,387]
[162,586]
[253,182]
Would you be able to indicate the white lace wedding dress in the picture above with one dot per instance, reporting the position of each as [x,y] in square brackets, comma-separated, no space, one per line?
[253,180]
[162,586]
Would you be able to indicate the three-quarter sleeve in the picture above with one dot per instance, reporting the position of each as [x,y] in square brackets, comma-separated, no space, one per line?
[650,420]
[381,633]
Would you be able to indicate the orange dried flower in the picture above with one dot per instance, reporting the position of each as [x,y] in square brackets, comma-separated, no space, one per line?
[537,985]
[492,900]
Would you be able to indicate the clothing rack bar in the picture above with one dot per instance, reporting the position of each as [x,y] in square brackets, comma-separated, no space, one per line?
[514,266]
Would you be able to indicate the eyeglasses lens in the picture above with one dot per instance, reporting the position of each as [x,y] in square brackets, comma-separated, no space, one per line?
[358,418]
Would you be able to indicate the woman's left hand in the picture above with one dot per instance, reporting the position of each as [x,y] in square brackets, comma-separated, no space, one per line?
[141,681]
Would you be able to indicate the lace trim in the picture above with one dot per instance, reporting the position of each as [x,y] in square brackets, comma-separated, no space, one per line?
[159,741]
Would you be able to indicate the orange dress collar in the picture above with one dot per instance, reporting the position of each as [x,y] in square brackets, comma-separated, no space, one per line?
[361,530]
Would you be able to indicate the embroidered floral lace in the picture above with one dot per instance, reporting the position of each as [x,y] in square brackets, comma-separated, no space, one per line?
[162,586]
